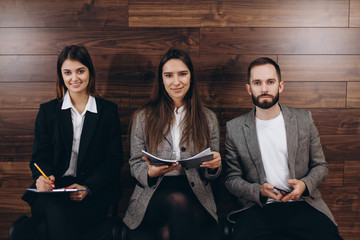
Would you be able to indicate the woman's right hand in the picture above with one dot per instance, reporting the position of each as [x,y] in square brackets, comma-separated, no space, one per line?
[42,184]
[158,170]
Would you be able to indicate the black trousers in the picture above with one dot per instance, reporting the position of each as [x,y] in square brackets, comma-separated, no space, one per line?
[290,220]
[56,217]
[175,213]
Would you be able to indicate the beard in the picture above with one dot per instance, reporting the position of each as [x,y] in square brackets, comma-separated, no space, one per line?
[266,104]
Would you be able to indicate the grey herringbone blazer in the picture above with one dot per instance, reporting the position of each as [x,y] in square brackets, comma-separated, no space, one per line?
[198,178]
[245,172]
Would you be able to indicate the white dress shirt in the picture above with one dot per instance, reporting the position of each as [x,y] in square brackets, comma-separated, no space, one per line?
[176,130]
[78,123]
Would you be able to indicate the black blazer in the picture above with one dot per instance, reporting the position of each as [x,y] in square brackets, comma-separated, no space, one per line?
[100,152]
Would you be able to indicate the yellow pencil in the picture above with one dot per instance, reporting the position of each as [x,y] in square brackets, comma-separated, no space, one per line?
[52,184]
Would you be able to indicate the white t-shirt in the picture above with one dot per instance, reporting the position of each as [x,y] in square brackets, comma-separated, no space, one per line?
[273,146]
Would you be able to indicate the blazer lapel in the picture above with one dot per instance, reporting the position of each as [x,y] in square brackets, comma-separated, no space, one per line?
[88,130]
[291,138]
[253,145]
[66,128]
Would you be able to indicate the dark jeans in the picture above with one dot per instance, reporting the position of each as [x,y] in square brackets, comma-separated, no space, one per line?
[290,220]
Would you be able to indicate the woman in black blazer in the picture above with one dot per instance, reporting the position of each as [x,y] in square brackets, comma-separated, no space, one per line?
[78,145]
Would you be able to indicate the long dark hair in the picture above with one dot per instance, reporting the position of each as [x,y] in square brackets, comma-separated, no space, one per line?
[80,54]
[159,111]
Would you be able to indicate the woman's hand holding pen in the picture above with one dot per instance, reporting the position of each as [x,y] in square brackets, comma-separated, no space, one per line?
[214,163]
[78,196]
[43,184]
[158,170]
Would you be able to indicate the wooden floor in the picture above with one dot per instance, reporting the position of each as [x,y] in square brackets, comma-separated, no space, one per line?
[314,41]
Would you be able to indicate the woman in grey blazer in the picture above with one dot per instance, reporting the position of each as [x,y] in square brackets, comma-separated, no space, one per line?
[171,202]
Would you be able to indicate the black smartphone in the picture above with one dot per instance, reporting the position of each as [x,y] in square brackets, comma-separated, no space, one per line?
[282,191]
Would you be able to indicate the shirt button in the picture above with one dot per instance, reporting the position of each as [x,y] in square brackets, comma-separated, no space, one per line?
[183,149]
[192,184]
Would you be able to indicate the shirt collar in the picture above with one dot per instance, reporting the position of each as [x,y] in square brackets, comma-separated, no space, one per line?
[90,106]
[179,110]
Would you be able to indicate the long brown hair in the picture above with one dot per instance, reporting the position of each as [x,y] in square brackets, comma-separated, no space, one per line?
[80,54]
[159,111]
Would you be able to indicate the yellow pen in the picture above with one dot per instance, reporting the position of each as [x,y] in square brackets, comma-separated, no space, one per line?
[52,184]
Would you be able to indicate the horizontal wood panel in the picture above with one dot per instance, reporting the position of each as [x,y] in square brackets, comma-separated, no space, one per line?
[354,13]
[353,95]
[31,95]
[22,121]
[351,172]
[26,95]
[279,40]
[326,68]
[341,147]
[314,94]
[224,68]
[99,41]
[263,13]
[343,121]
[336,174]
[27,68]
[17,122]
[65,13]
[15,147]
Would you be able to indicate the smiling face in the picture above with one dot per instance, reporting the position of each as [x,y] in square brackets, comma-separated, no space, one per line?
[264,86]
[76,76]
[176,79]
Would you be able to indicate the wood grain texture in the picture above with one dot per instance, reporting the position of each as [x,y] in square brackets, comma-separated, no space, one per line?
[314,94]
[99,40]
[15,147]
[341,147]
[279,40]
[324,68]
[25,95]
[222,69]
[354,13]
[263,13]
[343,121]
[345,205]
[353,95]
[351,173]
[36,68]
[12,121]
[65,13]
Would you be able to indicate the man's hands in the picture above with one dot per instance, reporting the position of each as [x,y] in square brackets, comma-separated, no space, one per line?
[267,190]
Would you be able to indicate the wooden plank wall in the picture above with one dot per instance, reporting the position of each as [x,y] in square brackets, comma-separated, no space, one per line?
[314,41]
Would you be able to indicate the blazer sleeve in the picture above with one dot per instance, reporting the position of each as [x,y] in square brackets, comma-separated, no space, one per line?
[234,178]
[138,166]
[109,170]
[42,150]
[214,143]
[318,167]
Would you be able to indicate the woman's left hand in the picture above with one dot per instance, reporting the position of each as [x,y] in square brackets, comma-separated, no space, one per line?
[214,163]
[78,196]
